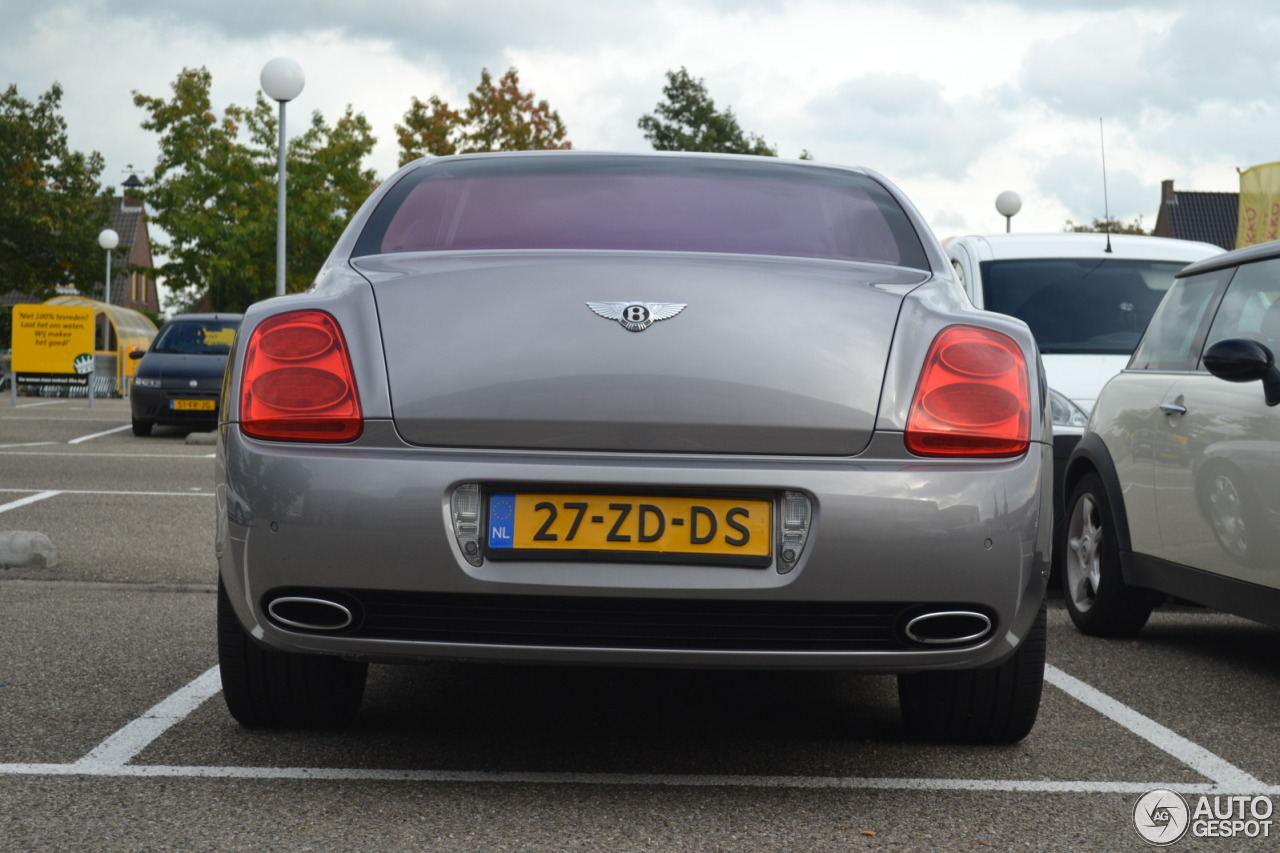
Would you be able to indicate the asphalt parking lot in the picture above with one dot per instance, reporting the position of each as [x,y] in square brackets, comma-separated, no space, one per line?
[113,735]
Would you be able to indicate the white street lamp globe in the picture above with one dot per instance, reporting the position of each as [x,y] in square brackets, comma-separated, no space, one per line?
[108,239]
[1008,203]
[282,79]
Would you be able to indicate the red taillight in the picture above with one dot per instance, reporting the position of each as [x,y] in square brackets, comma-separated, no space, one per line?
[972,399]
[298,384]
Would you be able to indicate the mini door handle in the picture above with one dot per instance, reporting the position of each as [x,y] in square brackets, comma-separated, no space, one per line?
[1173,409]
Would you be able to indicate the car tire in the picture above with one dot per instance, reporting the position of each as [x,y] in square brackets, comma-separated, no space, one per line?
[1100,603]
[142,429]
[994,705]
[267,688]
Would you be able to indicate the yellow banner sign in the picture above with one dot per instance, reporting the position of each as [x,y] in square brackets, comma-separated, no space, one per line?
[51,340]
[1259,205]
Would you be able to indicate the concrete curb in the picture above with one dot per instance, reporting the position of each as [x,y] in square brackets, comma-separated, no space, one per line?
[26,549]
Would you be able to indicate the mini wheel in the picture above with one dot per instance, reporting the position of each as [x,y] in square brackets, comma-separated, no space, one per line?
[1097,598]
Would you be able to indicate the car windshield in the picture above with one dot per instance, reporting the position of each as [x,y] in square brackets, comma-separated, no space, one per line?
[196,337]
[643,204]
[1079,305]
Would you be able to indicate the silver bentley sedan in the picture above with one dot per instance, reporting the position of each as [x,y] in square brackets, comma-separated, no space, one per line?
[635,409]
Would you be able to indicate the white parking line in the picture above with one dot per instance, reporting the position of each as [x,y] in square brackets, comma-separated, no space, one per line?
[44,495]
[99,434]
[69,453]
[634,779]
[110,758]
[121,747]
[45,403]
[30,499]
[1193,755]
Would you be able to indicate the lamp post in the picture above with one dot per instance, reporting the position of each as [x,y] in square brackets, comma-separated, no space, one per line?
[1008,203]
[108,240]
[282,80]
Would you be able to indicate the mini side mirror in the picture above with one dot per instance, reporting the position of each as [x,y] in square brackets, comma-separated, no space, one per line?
[137,353]
[1244,360]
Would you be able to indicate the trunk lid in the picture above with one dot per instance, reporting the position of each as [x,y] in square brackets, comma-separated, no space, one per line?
[768,356]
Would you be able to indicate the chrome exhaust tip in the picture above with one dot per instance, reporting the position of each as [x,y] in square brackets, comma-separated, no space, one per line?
[948,627]
[310,614]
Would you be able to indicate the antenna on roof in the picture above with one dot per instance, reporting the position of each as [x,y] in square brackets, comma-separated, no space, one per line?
[1106,207]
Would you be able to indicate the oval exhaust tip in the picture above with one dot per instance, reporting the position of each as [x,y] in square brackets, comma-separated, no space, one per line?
[948,627]
[310,614]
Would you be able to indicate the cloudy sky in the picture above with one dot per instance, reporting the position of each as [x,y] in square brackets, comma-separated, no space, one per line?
[953,100]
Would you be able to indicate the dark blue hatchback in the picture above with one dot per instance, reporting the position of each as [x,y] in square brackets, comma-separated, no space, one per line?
[179,381]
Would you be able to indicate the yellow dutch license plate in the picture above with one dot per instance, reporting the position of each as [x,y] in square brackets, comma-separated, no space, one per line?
[633,525]
[194,405]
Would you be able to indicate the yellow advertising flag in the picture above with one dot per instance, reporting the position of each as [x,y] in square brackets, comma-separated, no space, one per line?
[1259,205]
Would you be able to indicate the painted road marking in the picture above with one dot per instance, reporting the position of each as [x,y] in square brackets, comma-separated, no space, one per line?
[27,500]
[46,403]
[120,748]
[50,494]
[111,758]
[99,434]
[69,453]
[1193,755]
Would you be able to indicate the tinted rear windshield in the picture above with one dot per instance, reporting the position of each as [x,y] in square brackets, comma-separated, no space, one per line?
[1079,305]
[643,204]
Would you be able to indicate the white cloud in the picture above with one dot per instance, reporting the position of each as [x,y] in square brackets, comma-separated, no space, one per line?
[901,124]
[953,101]
[1076,180]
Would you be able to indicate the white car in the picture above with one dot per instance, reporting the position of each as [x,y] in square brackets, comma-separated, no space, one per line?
[1086,296]
[1175,488]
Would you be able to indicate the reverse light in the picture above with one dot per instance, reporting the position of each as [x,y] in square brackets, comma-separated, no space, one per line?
[464,510]
[793,529]
[973,398]
[298,384]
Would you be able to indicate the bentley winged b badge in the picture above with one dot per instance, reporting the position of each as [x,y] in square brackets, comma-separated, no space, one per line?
[637,316]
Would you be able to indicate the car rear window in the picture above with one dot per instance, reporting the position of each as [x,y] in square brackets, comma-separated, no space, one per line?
[643,204]
[1079,305]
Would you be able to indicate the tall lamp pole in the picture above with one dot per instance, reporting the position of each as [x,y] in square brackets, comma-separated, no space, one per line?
[282,80]
[108,240]
[1008,203]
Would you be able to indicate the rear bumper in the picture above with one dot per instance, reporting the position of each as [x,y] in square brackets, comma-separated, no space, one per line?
[369,524]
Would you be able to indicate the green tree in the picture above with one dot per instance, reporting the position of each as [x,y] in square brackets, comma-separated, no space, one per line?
[498,117]
[689,121]
[1112,225]
[51,207]
[429,129]
[213,193]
